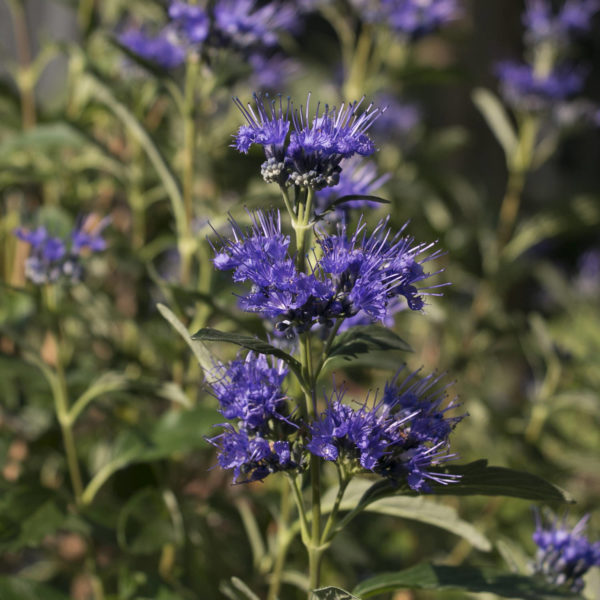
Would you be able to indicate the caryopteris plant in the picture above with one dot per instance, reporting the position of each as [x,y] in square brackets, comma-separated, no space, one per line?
[327,291]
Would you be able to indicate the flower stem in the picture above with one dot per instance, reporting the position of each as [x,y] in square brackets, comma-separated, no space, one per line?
[186,245]
[283,543]
[519,166]
[25,77]
[61,405]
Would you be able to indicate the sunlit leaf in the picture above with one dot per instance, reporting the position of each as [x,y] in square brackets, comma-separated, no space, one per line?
[468,579]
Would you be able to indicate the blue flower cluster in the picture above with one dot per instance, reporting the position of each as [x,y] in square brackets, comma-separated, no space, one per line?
[312,154]
[573,19]
[402,437]
[250,393]
[564,556]
[351,274]
[54,258]
[411,19]
[243,25]
[549,78]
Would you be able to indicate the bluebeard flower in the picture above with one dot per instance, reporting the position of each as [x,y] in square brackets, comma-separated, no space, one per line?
[191,20]
[250,391]
[316,146]
[565,555]
[368,271]
[246,23]
[398,121]
[271,72]
[543,24]
[403,436]
[523,88]
[410,18]
[354,273]
[165,48]
[251,457]
[357,178]
[53,258]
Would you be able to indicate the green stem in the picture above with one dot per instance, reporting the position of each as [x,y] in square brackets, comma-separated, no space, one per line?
[327,346]
[283,543]
[25,76]
[186,245]
[519,167]
[301,510]
[61,405]
[328,532]
[355,84]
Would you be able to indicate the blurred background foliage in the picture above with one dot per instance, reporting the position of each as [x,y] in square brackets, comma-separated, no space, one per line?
[85,128]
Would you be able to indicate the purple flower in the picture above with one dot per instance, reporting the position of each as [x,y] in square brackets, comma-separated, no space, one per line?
[390,436]
[317,144]
[543,24]
[251,457]
[53,258]
[191,20]
[91,240]
[564,555]
[245,23]
[411,18]
[354,273]
[272,72]
[523,88]
[398,120]
[250,391]
[165,48]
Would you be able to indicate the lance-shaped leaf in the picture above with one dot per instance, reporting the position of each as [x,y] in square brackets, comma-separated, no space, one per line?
[198,348]
[478,478]
[332,593]
[493,111]
[351,198]
[367,345]
[468,579]
[246,341]
[18,588]
[418,509]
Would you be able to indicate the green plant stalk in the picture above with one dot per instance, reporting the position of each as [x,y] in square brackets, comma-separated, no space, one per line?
[519,167]
[61,405]
[301,225]
[186,243]
[283,542]
[25,75]
[359,67]
[328,530]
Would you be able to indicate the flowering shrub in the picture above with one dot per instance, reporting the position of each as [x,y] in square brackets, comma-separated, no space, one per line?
[230,328]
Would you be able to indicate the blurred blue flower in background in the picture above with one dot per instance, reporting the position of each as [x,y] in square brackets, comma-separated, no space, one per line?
[564,555]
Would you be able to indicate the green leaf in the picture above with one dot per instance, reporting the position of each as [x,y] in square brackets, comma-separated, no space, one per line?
[17,588]
[354,347]
[492,110]
[418,509]
[248,342]
[45,138]
[477,478]
[145,525]
[468,579]
[351,198]
[27,516]
[332,593]
[239,585]
[176,432]
[200,351]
